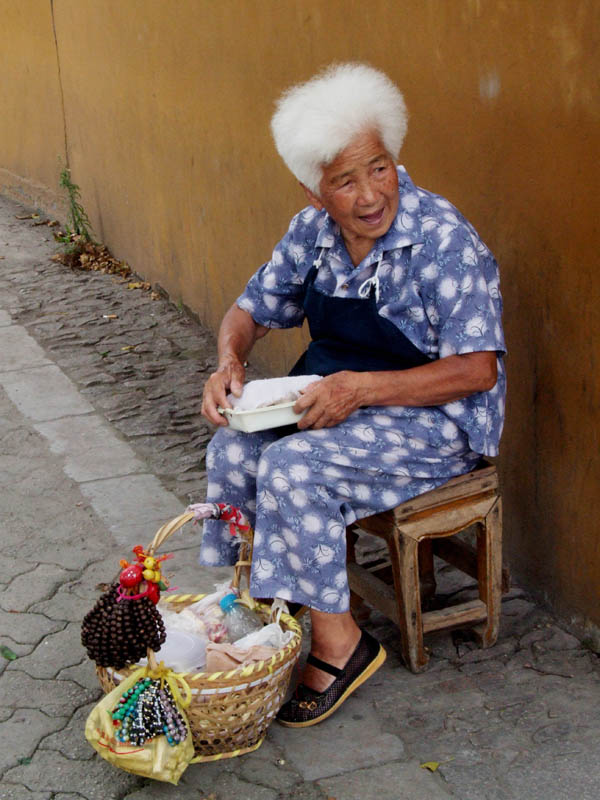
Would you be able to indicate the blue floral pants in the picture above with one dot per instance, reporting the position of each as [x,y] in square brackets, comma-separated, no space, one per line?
[301,490]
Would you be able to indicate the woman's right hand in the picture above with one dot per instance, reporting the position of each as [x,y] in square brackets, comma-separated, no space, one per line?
[229,377]
[237,335]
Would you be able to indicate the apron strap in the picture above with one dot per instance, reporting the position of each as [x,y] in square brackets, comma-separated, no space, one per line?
[319,259]
[364,290]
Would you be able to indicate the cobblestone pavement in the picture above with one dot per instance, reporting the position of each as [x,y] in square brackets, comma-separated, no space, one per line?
[101,441]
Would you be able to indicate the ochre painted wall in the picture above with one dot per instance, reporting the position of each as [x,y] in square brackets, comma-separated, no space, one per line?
[32,132]
[166,113]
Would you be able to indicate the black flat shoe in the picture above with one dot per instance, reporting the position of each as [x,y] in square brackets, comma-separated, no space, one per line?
[307,707]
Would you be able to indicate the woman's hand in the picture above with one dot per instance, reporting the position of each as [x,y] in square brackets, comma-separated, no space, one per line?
[330,400]
[237,335]
[229,377]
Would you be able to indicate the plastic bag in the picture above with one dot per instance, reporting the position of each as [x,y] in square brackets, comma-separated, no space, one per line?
[156,758]
[184,620]
[223,656]
[209,612]
[182,651]
[270,635]
[221,589]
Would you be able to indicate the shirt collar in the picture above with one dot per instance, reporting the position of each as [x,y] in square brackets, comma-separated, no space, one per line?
[404,231]
[328,233]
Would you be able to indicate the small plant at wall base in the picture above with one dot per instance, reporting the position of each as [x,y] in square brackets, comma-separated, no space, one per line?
[81,225]
[79,248]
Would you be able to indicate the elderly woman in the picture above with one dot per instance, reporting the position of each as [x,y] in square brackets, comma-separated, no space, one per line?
[404,310]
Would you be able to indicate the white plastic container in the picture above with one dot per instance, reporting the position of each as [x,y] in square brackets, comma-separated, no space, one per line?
[182,652]
[260,419]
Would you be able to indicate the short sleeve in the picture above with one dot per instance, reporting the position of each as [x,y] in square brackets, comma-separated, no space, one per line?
[273,295]
[465,304]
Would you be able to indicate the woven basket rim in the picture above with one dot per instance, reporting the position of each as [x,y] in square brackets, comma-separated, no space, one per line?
[244,670]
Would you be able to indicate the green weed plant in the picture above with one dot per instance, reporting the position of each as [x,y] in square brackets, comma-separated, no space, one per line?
[79,231]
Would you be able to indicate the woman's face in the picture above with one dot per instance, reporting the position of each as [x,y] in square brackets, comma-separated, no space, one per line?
[359,190]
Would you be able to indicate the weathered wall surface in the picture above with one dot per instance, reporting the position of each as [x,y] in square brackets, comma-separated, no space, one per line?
[163,111]
[32,131]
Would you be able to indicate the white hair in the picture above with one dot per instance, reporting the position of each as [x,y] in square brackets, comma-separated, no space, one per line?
[316,120]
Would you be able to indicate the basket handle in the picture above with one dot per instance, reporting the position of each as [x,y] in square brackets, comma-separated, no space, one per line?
[244,562]
[168,529]
[242,567]
[162,534]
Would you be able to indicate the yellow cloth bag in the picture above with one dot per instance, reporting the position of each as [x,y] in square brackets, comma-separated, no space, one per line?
[156,758]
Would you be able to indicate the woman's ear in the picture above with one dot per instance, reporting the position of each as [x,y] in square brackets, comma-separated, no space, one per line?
[312,198]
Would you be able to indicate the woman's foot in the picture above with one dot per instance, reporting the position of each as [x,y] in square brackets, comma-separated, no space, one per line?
[341,658]
[310,705]
[336,654]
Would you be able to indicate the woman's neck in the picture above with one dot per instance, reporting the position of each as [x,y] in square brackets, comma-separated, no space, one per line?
[357,247]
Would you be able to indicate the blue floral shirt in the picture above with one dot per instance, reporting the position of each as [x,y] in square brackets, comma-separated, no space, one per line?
[435,279]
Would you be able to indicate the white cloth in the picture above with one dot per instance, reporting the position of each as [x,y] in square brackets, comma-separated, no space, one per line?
[270,391]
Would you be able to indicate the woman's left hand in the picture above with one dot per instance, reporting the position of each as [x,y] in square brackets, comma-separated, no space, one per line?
[330,400]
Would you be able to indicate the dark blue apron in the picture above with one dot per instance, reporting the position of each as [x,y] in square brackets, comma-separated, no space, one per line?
[351,334]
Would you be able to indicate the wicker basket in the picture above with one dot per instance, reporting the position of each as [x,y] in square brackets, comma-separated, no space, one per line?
[230,711]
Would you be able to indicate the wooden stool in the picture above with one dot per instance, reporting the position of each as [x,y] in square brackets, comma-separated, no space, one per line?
[423,526]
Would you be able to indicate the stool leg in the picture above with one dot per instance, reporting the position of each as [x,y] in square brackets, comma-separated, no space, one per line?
[351,539]
[489,573]
[404,555]
[359,609]
[426,573]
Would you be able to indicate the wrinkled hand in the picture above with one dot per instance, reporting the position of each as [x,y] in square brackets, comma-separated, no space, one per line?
[330,400]
[229,377]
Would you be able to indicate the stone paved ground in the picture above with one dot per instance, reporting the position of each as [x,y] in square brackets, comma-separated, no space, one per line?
[100,442]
